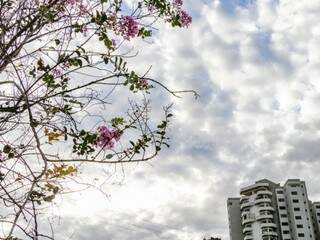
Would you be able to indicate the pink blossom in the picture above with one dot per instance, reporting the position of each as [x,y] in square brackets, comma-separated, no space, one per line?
[107,137]
[82,9]
[144,84]
[114,43]
[185,18]
[177,3]
[127,27]
[1,157]
[77,6]
[56,72]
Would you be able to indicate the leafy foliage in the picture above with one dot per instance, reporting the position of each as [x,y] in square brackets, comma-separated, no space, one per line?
[61,63]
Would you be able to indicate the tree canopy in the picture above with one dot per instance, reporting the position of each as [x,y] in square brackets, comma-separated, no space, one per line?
[61,65]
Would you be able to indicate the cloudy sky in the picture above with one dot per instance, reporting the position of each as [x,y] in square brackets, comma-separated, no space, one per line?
[256,65]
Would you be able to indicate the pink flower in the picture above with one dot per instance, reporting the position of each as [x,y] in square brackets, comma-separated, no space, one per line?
[114,43]
[1,157]
[127,27]
[82,9]
[107,137]
[57,72]
[77,6]
[177,3]
[144,84]
[185,18]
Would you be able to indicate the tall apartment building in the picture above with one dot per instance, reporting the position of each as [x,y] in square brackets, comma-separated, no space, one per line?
[269,211]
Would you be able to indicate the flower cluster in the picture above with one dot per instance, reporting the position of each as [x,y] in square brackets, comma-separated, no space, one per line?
[79,6]
[185,18]
[144,84]
[107,137]
[57,72]
[127,27]
[177,3]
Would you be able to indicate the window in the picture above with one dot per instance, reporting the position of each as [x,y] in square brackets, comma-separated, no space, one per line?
[298,217]
[285,224]
[281,199]
[283,215]
[286,232]
[300,234]
[295,200]
[282,207]
[296,209]
[299,226]
[280,191]
[294,193]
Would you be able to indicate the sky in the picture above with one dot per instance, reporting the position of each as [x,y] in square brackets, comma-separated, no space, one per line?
[256,66]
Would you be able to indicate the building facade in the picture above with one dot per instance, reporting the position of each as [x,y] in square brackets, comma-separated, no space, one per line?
[269,211]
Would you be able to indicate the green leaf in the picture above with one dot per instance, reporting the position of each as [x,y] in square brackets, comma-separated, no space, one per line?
[116,121]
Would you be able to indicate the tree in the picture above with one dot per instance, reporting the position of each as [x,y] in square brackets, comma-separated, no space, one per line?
[61,62]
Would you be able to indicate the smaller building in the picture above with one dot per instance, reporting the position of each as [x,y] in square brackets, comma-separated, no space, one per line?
[269,211]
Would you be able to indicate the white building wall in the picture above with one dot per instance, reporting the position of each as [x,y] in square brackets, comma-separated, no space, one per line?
[299,211]
[316,219]
[283,213]
[258,223]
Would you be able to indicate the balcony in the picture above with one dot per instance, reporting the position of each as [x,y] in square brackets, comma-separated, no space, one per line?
[266,208]
[264,216]
[253,187]
[269,233]
[264,192]
[247,218]
[272,225]
[248,237]
[247,229]
[244,198]
[262,200]
[244,213]
[246,204]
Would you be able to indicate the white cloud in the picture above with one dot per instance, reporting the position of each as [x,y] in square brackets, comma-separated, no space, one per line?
[258,116]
